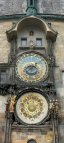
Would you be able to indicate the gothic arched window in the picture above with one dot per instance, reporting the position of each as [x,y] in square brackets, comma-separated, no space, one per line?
[31,141]
[31,2]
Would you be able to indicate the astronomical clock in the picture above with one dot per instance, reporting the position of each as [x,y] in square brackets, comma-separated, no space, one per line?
[32,67]
[32,107]
[32,104]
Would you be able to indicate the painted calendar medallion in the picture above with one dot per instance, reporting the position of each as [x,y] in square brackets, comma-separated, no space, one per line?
[32,108]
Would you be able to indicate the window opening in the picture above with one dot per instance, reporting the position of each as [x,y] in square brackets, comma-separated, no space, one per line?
[24,42]
[38,41]
[31,2]
[3,77]
[63,78]
[31,141]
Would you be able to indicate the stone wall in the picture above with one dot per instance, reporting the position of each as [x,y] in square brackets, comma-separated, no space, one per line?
[8,7]
[59,56]
[37,136]
[4,45]
[3,101]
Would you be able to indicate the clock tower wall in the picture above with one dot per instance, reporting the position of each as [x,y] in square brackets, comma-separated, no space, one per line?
[34,37]
[58,49]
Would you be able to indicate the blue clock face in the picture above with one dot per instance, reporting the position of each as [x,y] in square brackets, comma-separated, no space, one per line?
[31,67]
[31,70]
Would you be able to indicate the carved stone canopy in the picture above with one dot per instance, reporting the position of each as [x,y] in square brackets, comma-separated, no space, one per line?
[31,21]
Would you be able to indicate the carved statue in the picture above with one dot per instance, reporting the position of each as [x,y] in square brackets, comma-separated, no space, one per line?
[12,102]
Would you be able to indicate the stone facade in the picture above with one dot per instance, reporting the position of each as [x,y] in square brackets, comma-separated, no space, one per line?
[9,7]
[59,56]
[4,53]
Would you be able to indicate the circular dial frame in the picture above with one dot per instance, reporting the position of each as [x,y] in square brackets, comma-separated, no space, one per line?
[31,67]
[31,108]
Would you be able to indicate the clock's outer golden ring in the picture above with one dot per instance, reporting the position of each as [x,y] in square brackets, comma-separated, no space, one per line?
[27,91]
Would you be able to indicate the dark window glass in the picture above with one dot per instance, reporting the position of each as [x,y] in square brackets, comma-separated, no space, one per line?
[38,41]
[31,141]
[24,42]
[3,77]
[31,2]
[63,78]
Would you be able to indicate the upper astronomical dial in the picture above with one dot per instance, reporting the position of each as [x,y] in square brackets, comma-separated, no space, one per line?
[31,67]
